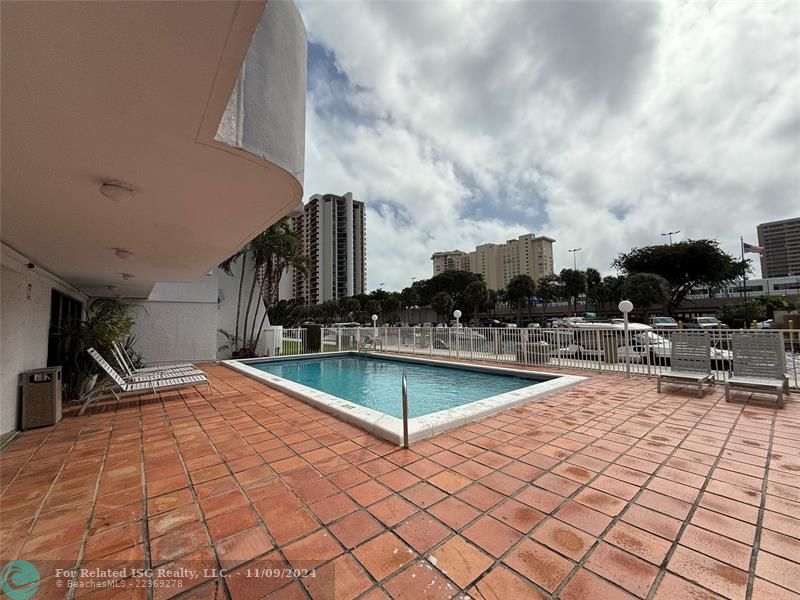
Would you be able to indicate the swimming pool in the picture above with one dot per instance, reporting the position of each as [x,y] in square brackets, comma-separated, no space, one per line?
[365,389]
[375,382]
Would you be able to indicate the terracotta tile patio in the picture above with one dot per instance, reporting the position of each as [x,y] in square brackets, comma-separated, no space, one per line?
[607,490]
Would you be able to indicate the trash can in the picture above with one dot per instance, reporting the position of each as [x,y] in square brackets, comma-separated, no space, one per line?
[41,397]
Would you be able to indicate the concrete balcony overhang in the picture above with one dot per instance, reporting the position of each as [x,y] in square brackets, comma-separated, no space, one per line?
[199,106]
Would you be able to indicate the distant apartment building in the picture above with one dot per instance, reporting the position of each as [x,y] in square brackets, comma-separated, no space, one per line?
[333,230]
[499,263]
[781,243]
[454,260]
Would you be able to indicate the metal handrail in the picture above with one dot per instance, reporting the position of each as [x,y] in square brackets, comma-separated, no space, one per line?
[405,409]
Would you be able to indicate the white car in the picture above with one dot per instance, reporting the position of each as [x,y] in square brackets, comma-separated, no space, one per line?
[663,322]
[705,323]
[590,341]
[660,350]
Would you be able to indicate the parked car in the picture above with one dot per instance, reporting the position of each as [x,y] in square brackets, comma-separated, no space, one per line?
[705,323]
[581,341]
[660,350]
[663,323]
[461,338]
[490,323]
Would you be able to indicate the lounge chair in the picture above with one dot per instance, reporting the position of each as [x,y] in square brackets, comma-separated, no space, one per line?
[117,385]
[127,366]
[690,360]
[759,364]
[371,343]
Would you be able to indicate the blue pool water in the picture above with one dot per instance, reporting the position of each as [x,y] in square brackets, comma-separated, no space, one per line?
[376,383]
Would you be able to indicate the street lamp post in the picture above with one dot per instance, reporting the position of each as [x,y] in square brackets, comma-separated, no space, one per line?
[670,234]
[457,315]
[374,326]
[574,252]
[625,307]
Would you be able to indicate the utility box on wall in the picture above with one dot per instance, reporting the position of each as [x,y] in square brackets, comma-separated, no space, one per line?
[273,340]
[41,397]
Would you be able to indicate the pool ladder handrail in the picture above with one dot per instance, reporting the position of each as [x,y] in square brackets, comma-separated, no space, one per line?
[405,408]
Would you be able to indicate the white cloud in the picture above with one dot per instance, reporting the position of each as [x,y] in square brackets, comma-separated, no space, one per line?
[601,124]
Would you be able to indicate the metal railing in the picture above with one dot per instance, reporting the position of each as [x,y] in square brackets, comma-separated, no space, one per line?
[404,386]
[646,352]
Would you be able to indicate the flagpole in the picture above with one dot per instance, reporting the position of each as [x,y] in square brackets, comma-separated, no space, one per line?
[744,272]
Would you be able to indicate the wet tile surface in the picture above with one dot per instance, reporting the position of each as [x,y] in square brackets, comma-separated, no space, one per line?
[605,490]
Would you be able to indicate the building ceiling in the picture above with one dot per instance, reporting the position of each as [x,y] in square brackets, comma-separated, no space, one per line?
[131,91]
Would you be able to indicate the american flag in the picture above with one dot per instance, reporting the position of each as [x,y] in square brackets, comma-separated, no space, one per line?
[752,248]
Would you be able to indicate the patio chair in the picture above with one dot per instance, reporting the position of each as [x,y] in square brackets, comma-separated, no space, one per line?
[150,374]
[371,343]
[689,359]
[759,364]
[117,385]
[127,366]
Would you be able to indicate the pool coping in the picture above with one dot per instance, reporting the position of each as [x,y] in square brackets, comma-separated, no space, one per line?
[389,427]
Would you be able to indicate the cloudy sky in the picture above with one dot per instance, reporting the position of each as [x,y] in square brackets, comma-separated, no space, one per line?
[600,124]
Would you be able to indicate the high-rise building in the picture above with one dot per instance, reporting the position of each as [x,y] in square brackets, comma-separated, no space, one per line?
[333,230]
[781,243]
[454,260]
[500,263]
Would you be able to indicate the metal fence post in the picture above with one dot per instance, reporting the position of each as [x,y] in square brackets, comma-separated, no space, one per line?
[405,409]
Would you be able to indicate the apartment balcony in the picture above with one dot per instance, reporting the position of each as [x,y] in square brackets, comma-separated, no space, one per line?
[197,109]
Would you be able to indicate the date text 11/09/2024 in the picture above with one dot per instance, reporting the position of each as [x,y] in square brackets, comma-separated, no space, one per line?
[184,573]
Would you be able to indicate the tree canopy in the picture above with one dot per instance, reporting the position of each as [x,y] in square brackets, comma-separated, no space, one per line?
[454,283]
[685,265]
[476,296]
[645,289]
[574,282]
[442,302]
[519,290]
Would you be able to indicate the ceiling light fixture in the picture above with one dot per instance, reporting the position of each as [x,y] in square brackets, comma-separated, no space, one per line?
[122,253]
[116,190]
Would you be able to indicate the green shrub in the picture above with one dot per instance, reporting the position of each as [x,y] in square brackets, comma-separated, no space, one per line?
[313,337]
[106,321]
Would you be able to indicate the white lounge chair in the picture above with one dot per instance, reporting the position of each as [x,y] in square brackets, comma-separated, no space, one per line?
[371,343]
[689,359]
[127,366]
[117,385]
[759,364]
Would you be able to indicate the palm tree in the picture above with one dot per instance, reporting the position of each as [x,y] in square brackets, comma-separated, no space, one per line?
[519,290]
[476,295]
[273,251]
[442,302]
[548,288]
[391,307]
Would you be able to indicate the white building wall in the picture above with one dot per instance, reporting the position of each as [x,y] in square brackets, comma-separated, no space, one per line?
[228,292]
[266,113]
[178,322]
[24,327]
